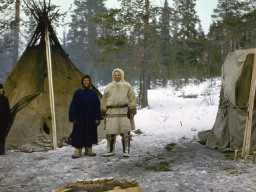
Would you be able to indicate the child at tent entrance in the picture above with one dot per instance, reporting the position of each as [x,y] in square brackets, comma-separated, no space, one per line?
[5,119]
[84,112]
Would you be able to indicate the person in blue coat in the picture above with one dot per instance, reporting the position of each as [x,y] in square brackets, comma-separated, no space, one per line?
[84,113]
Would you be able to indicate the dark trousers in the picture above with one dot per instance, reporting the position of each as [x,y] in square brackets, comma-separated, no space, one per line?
[88,145]
[2,147]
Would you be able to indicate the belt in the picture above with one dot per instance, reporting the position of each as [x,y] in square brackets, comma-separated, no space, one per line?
[121,106]
[116,115]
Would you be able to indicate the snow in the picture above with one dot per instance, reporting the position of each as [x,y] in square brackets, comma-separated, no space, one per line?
[172,117]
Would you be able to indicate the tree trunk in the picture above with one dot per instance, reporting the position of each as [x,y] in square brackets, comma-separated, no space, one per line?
[231,45]
[140,91]
[16,33]
[144,102]
[145,74]
[64,43]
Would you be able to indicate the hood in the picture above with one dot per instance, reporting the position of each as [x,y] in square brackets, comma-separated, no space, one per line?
[121,72]
[90,79]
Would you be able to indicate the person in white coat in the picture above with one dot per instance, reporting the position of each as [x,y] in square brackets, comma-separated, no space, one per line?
[118,108]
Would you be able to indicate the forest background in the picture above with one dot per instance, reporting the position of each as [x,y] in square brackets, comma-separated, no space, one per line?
[153,45]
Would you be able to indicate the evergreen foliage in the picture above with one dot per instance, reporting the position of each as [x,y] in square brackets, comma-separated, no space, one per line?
[81,37]
[151,44]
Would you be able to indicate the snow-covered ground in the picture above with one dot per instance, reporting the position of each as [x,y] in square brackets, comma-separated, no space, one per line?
[173,114]
[164,158]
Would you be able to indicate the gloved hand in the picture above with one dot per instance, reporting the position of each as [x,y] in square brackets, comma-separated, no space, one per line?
[102,114]
[75,123]
[97,122]
[133,112]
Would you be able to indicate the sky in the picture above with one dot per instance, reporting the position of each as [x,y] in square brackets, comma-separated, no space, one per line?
[204,10]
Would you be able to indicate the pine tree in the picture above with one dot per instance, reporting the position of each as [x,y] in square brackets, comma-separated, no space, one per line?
[189,48]
[131,41]
[165,39]
[248,39]
[83,33]
[7,12]
[229,14]
[215,52]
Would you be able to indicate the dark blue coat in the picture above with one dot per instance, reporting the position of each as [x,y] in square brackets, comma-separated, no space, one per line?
[84,108]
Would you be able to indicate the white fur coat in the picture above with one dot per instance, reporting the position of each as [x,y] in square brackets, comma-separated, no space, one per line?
[118,94]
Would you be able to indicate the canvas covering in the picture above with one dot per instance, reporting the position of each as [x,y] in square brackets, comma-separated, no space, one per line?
[228,130]
[30,76]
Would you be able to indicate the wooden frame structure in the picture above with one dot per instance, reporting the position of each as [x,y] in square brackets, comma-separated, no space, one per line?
[248,126]
[45,36]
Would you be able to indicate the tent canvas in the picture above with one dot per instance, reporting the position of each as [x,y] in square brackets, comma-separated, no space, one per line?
[228,130]
[29,77]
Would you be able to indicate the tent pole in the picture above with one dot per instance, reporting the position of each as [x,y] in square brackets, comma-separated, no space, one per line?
[51,90]
[248,126]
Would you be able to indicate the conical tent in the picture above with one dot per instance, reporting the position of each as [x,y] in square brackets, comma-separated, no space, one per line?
[228,130]
[27,86]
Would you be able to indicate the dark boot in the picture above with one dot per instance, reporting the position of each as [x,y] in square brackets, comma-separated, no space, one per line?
[2,151]
[110,146]
[126,144]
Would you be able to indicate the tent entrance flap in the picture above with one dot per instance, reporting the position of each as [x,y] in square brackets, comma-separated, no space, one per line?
[243,83]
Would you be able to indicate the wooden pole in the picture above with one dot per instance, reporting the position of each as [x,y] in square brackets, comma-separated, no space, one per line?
[16,33]
[236,155]
[248,126]
[51,90]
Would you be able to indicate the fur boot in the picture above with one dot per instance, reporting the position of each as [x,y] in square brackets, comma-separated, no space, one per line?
[110,146]
[126,144]
[90,153]
[77,153]
[85,151]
